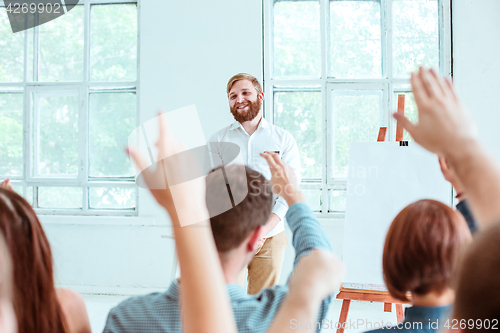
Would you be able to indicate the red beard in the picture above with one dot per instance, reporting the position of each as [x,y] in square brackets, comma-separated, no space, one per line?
[250,114]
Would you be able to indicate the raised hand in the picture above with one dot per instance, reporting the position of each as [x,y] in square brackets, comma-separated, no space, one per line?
[444,126]
[6,184]
[188,203]
[283,180]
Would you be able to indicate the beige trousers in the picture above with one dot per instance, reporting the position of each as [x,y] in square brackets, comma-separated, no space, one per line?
[265,268]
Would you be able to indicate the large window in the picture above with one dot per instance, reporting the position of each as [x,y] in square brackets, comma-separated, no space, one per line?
[68,101]
[333,70]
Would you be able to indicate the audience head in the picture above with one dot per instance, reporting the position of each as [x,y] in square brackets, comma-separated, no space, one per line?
[34,296]
[234,226]
[478,289]
[422,249]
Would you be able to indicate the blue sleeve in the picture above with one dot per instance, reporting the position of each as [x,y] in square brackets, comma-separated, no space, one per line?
[463,207]
[307,232]
[308,235]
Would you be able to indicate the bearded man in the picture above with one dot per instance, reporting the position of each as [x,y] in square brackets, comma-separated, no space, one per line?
[254,135]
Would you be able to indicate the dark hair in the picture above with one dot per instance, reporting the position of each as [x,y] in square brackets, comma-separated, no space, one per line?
[34,298]
[422,248]
[478,289]
[251,199]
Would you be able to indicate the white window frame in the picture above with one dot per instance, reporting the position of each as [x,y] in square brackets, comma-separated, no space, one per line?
[84,88]
[327,85]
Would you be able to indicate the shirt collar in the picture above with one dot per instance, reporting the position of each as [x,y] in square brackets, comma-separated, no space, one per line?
[174,290]
[236,292]
[263,123]
[235,125]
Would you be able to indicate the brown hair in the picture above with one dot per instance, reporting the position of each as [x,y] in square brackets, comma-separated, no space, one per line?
[478,290]
[244,76]
[231,227]
[422,248]
[34,296]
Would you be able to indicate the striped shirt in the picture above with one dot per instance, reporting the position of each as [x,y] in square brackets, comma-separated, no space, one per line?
[160,312]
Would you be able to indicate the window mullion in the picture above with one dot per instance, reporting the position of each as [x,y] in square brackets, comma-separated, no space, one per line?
[84,108]
[325,64]
[83,136]
[26,129]
[324,37]
[389,29]
[36,45]
[383,34]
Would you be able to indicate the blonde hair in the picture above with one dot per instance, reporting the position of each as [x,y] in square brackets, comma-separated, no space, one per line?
[244,76]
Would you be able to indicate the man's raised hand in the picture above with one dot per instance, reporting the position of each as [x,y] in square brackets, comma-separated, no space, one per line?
[283,180]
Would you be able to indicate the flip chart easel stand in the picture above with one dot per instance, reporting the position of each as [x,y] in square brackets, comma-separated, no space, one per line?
[347,294]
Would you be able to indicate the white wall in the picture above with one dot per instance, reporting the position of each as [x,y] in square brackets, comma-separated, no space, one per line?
[476,63]
[188,51]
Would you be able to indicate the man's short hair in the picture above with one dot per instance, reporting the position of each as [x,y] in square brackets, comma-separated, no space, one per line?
[478,289]
[422,249]
[233,226]
[244,76]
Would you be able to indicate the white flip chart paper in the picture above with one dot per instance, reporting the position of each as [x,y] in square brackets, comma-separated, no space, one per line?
[383,178]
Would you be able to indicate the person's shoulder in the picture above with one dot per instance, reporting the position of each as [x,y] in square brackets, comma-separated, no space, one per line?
[254,313]
[74,310]
[129,315]
[142,303]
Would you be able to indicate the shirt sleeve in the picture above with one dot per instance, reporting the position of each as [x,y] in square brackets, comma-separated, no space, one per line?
[280,208]
[308,235]
[463,208]
[307,232]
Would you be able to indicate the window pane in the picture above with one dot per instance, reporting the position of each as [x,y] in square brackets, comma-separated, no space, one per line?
[112,119]
[300,114]
[356,118]
[29,195]
[113,44]
[112,197]
[337,200]
[297,40]
[60,197]
[57,136]
[355,43]
[12,51]
[61,48]
[18,188]
[410,111]
[416,35]
[313,198]
[11,134]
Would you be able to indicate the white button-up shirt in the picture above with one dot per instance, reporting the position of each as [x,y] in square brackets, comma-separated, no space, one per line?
[267,137]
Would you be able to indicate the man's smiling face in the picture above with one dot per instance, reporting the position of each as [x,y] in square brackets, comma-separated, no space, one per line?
[244,101]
